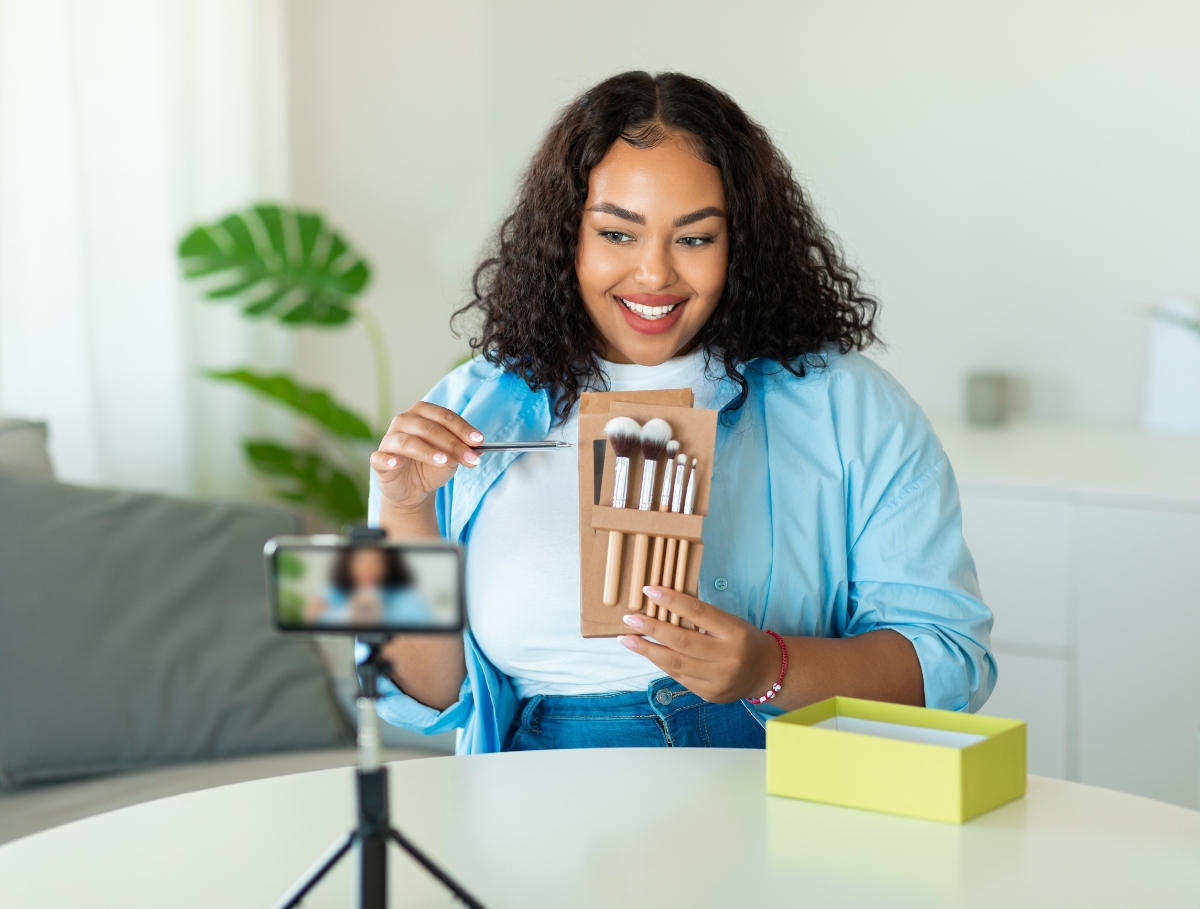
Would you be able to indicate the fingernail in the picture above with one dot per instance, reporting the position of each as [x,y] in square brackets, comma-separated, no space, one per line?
[471,458]
[633,620]
[655,593]
[392,462]
[627,640]
[439,458]
[476,437]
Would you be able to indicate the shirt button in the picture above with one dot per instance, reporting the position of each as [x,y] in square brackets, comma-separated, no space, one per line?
[663,697]
[720,583]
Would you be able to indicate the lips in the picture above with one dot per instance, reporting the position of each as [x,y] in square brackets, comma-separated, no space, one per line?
[651,314]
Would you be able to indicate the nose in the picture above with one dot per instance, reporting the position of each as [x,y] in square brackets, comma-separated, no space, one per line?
[655,269]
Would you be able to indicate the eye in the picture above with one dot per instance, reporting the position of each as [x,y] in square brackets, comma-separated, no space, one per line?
[615,236]
[694,242]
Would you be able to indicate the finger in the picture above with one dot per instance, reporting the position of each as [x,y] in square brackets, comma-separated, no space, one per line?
[703,615]
[449,419]
[433,433]
[672,662]
[702,647]
[386,464]
[414,448]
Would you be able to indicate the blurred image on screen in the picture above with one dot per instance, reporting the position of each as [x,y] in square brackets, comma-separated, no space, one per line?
[367,587]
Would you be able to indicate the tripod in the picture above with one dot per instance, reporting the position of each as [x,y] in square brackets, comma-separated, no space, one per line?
[374,827]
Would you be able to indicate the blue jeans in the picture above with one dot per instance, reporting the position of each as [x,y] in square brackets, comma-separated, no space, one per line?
[664,715]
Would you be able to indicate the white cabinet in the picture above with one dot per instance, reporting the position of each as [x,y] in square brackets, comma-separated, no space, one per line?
[1022,550]
[1087,544]
[1139,651]
[1035,689]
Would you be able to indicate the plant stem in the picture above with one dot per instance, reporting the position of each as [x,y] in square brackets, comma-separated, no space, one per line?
[383,372]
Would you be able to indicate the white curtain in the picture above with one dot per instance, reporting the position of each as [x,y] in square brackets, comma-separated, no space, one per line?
[121,123]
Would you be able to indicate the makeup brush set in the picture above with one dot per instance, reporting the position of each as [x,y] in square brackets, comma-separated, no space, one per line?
[645,466]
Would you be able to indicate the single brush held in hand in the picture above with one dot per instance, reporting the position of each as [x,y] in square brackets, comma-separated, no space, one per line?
[668,574]
[547,445]
[655,436]
[664,504]
[624,435]
[681,565]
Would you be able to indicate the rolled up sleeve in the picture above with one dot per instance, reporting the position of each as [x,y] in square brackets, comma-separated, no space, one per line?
[399,709]
[910,571]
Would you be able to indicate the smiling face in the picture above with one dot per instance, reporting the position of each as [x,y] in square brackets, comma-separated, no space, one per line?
[653,249]
[367,568]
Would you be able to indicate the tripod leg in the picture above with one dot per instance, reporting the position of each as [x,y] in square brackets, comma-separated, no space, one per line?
[293,897]
[427,863]
[372,879]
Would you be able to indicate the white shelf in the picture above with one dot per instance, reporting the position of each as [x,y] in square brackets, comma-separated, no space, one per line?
[1080,461]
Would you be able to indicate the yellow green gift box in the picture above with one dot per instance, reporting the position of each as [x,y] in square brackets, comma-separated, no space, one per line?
[934,764]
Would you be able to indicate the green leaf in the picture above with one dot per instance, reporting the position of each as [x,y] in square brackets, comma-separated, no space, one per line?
[290,566]
[314,403]
[277,261]
[291,607]
[306,478]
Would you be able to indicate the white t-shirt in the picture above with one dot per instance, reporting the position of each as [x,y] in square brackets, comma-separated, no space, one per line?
[522,566]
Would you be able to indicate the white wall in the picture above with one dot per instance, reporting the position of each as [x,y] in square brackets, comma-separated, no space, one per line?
[1014,178]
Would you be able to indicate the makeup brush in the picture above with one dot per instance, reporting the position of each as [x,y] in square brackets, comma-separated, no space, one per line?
[681,564]
[548,445]
[664,504]
[656,434]
[624,437]
[668,574]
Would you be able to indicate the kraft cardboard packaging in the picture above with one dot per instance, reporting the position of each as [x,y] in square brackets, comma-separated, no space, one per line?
[695,430]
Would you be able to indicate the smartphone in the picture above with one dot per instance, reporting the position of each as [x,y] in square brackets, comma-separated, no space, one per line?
[330,584]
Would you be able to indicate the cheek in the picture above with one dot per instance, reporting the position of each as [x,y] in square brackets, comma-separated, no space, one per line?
[598,267]
[706,275]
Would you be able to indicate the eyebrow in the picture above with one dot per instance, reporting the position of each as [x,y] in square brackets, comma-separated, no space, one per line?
[607,208]
[711,212]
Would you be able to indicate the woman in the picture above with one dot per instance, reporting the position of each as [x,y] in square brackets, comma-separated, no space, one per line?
[370,587]
[659,240]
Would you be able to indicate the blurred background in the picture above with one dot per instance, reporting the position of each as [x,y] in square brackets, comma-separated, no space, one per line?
[1017,181]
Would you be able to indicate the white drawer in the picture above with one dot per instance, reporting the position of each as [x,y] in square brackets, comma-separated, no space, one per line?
[1034,689]
[1139,650]
[1022,549]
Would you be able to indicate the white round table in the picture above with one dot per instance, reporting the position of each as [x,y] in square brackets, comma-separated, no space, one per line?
[656,828]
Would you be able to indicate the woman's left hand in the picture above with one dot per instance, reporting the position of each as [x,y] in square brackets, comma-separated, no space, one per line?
[731,660]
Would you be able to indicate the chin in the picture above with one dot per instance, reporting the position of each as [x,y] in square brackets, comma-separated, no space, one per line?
[653,350]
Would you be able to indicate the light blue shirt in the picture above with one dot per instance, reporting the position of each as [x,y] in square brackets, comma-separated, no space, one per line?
[833,512]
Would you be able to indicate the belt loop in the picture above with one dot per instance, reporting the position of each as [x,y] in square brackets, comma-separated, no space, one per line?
[529,716]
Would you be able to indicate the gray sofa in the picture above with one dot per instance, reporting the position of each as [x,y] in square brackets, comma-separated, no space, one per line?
[136,658]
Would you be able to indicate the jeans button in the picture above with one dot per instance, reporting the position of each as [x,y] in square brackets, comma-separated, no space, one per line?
[663,697]
[720,583]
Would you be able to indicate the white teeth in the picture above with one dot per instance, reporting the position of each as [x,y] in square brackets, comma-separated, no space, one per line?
[648,312]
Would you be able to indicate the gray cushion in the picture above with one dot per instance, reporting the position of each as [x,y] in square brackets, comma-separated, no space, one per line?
[134,632]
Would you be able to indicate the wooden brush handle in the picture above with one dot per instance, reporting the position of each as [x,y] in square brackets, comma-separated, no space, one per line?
[668,574]
[656,573]
[612,568]
[681,566]
[637,577]
[680,578]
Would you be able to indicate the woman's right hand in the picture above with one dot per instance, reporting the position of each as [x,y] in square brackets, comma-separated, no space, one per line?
[422,449]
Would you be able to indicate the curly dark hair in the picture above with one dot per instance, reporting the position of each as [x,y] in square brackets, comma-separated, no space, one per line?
[396,573]
[788,295]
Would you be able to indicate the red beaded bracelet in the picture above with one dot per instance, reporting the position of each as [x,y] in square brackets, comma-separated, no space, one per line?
[774,689]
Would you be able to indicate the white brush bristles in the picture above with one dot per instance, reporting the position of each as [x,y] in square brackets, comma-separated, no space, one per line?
[681,460]
[672,449]
[624,434]
[655,436]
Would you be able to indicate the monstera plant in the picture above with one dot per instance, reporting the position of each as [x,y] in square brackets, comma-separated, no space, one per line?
[290,266]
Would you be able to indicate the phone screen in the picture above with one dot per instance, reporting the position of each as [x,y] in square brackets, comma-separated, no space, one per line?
[333,585]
